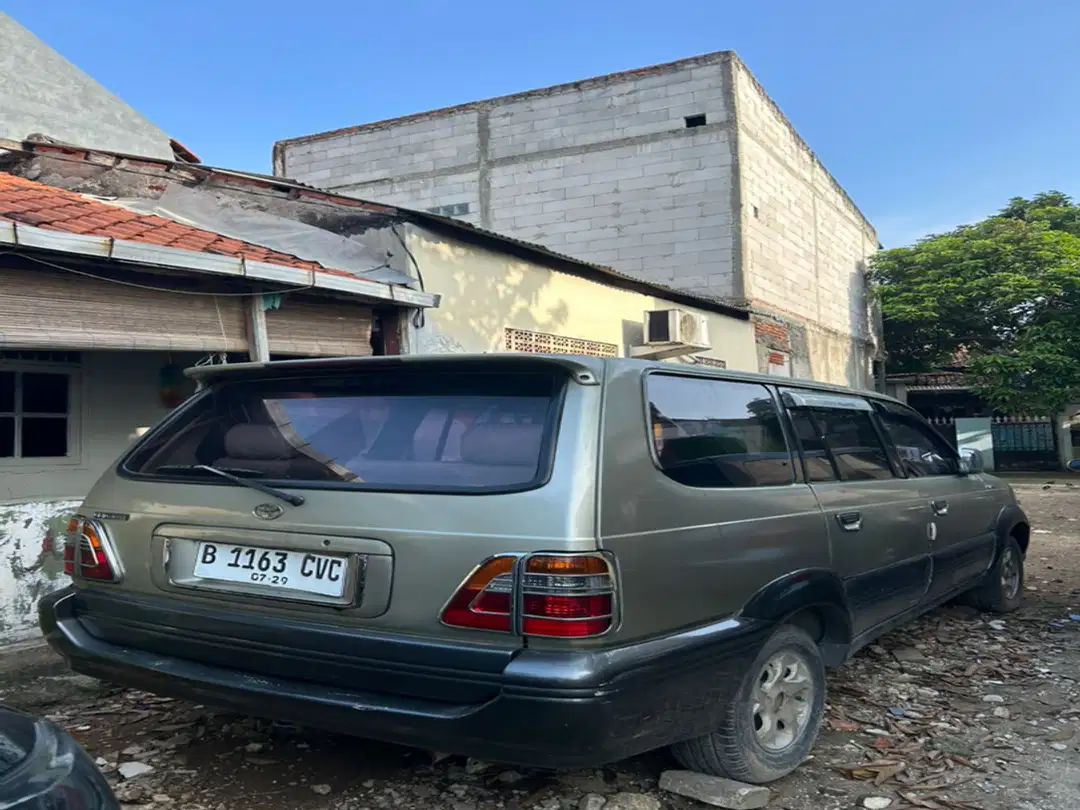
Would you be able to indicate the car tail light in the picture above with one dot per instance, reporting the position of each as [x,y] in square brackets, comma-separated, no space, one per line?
[88,553]
[553,595]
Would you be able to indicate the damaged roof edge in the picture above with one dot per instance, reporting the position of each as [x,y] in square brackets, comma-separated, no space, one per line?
[18,234]
[195,171]
[445,225]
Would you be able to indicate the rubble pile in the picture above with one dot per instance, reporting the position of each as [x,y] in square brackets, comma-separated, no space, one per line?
[934,716]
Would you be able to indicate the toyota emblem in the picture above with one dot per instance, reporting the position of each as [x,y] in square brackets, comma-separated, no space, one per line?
[268,511]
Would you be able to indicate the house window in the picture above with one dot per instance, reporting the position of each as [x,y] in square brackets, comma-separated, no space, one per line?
[36,413]
[522,340]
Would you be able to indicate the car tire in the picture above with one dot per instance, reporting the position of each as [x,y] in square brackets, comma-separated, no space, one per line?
[756,746]
[1003,589]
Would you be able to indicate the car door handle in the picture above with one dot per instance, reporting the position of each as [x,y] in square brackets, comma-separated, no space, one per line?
[940,507]
[850,521]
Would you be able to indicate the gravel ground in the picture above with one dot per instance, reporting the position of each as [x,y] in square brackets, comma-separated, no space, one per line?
[956,711]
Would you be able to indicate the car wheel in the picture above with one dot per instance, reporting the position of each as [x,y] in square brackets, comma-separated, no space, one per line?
[1003,589]
[772,722]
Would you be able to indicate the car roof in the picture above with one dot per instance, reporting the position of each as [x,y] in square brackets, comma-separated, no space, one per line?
[586,369]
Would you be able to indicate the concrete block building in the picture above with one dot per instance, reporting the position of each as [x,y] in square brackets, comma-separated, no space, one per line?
[685,174]
[41,93]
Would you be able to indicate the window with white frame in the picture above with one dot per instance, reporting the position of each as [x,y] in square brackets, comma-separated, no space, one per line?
[37,412]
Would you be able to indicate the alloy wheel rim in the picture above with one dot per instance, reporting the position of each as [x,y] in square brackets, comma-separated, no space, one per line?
[1010,573]
[782,701]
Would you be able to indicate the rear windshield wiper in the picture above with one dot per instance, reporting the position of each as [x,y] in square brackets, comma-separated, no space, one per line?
[228,474]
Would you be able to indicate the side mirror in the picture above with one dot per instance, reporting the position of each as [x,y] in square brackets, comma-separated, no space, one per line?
[971,461]
[1074,465]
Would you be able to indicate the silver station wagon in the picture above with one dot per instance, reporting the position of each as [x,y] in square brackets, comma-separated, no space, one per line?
[541,560]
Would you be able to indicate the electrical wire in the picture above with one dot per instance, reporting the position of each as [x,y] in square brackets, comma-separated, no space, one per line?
[136,285]
[418,318]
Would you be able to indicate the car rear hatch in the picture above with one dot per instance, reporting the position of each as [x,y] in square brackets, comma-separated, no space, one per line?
[312,520]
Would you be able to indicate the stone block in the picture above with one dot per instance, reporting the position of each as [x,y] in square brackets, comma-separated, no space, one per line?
[714,790]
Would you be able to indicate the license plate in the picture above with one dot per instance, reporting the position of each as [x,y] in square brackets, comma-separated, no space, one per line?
[322,574]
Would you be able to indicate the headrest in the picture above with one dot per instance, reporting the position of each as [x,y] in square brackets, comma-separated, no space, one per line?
[257,442]
[502,445]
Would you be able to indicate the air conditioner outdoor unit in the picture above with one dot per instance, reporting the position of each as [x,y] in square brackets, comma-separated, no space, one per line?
[672,333]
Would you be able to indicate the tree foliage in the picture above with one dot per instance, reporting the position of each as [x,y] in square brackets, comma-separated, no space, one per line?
[1003,293]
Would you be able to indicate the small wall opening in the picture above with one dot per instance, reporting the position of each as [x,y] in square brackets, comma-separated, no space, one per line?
[695,121]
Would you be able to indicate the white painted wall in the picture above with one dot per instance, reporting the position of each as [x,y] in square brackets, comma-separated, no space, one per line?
[117,392]
[29,569]
[976,433]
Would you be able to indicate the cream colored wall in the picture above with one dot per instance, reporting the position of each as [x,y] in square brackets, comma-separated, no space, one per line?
[484,292]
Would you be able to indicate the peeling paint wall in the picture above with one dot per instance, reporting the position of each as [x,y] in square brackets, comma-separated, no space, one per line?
[29,568]
[113,394]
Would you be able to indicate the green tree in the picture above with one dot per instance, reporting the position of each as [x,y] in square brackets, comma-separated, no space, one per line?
[1004,292]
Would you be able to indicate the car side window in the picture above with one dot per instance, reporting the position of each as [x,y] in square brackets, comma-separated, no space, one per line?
[817,464]
[717,433]
[922,452]
[850,439]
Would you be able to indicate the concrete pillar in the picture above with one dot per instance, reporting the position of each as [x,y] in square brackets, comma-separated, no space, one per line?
[1063,427]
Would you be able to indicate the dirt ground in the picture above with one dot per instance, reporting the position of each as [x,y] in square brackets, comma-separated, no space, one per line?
[957,711]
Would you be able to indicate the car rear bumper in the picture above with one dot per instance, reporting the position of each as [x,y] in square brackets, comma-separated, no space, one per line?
[544,709]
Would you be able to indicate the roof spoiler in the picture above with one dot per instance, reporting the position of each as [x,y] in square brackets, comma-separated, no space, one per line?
[585,371]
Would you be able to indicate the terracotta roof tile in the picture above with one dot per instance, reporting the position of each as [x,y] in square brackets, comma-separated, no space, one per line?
[57,209]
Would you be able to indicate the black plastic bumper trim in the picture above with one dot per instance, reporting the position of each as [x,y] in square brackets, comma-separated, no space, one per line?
[551,710]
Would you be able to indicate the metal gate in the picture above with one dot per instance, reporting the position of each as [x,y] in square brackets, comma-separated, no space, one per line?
[1024,443]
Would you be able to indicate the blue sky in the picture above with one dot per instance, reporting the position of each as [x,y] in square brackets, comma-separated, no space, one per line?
[930,114]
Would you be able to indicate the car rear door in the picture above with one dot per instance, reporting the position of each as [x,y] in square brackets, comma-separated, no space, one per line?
[964,506]
[878,525]
[411,475]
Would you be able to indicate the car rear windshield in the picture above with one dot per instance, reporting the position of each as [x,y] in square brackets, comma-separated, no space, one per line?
[387,430]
